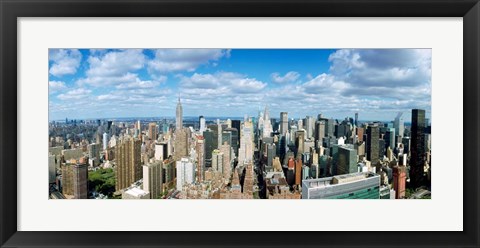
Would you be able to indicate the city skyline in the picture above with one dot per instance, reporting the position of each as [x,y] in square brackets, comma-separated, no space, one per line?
[112,83]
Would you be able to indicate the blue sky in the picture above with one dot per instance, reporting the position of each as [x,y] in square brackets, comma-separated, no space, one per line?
[109,83]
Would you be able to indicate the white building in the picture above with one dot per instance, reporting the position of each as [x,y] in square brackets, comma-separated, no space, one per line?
[105,141]
[159,152]
[185,173]
[245,152]
[202,124]
[135,193]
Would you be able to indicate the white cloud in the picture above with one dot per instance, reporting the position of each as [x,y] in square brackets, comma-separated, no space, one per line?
[64,61]
[116,63]
[75,94]
[113,68]
[54,86]
[229,82]
[324,83]
[138,84]
[171,60]
[382,67]
[289,77]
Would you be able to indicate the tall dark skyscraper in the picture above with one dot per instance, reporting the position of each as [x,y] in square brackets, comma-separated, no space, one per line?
[373,144]
[417,147]
[236,124]
[209,146]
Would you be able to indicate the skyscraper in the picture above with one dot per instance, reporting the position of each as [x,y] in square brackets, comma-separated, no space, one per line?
[298,171]
[267,124]
[300,142]
[80,179]
[319,133]
[399,178]
[201,119]
[185,173]
[283,123]
[219,134]
[398,124]
[152,131]
[152,179]
[227,166]
[417,147]
[105,141]
[209,147]
[128,166]
[309,126]
[179,115]
[373,144]
[347,160]
[181,144]
[245,153]
[200,150]
[217,161]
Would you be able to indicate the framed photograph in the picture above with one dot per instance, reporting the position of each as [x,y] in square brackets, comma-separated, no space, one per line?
[226,123]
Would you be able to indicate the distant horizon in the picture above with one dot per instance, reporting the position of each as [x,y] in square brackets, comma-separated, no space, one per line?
[136,118]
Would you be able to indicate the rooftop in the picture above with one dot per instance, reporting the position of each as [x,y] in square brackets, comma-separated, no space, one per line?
[339,179]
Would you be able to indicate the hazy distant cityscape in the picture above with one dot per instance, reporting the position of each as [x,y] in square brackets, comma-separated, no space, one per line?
[361,129]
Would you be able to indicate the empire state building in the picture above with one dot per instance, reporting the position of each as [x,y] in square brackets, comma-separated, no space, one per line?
[179,118]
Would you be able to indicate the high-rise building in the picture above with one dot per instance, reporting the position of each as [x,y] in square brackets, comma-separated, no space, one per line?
[128,162]
[52,170]
[347,159]
[267,123]
[245,153]
[67,179]
[360,133]
[309,126]
[105,141]
[80,180]
[234,139]
[390,138]
[185,173]
[360,185]
[373,143]
[181,145]
[330,127]
[227,165]
[219,134]
[283,123]
[319,133]
[417,147]
[94,150]
[356,119]
[399,179]
[398,124]
[203,127]
[209,147]
[152,131]
[152,179]
[200,151]
[217,161]
[300,142]
[179,115]
[298,172]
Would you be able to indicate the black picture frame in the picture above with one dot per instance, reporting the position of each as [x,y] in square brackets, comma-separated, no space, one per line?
[10,10]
